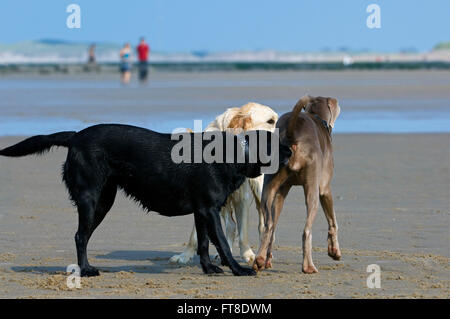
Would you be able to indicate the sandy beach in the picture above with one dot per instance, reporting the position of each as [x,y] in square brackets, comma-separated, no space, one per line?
[391,191]
[392,202]
[375,75]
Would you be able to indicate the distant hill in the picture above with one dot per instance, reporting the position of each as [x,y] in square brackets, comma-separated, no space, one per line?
[54,50]
[442,46]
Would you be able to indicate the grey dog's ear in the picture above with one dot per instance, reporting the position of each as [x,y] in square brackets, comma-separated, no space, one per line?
[319,105]
[334,109]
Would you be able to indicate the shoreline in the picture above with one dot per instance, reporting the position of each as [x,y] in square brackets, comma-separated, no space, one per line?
[228,66]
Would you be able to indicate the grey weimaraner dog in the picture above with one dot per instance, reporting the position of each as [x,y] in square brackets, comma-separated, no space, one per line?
[311,165]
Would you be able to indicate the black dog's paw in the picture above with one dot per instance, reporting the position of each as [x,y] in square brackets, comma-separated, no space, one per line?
[244,271]
[212,269]
[89,272]
[224,262]
[219,261]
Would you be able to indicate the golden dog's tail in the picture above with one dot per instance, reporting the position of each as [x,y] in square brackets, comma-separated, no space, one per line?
[301,104]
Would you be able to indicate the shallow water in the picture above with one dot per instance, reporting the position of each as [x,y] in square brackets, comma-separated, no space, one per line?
[371,102]
[349,122]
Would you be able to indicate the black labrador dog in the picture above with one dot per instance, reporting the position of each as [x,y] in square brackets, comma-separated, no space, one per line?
[105,157]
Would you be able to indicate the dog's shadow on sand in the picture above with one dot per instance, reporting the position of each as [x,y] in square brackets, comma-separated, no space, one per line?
[139,255]
[158,262]
[151,262]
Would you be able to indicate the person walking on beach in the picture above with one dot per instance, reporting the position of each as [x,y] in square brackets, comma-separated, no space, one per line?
[91,55]
[143,51]
[91,64]
[125,63]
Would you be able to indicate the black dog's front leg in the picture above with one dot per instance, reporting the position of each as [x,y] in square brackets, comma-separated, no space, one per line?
[203,246]
[215,233]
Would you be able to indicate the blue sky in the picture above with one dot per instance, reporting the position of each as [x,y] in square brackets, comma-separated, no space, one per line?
[213,25]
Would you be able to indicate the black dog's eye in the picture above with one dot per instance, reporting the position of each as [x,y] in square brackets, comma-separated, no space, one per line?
[271,121]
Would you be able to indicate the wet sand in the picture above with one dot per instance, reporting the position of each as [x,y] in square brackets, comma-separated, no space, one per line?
[392,203]
[371,101]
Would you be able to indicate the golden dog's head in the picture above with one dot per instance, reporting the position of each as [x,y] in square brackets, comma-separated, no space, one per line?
[251,116]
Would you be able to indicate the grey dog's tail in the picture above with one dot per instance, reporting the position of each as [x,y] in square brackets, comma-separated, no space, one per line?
[38,144]
[301,104]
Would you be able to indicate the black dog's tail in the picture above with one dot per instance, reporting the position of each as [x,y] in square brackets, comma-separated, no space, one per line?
[38,144]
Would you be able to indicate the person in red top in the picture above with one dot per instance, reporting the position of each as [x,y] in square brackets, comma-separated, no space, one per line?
[143,51]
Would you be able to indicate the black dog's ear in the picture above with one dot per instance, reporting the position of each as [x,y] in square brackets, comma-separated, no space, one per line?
[271,145]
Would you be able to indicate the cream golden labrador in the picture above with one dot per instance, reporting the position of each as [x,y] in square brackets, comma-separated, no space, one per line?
[251,116]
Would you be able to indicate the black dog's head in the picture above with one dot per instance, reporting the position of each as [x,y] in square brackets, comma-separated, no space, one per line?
[253,152]
[263,151]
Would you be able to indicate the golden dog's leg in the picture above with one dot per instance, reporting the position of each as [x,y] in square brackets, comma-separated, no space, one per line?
[256,186]
[230,228]
[191,249]
[326,200]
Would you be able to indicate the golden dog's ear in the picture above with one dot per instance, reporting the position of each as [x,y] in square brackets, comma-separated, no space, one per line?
[241,122]
[334,109]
